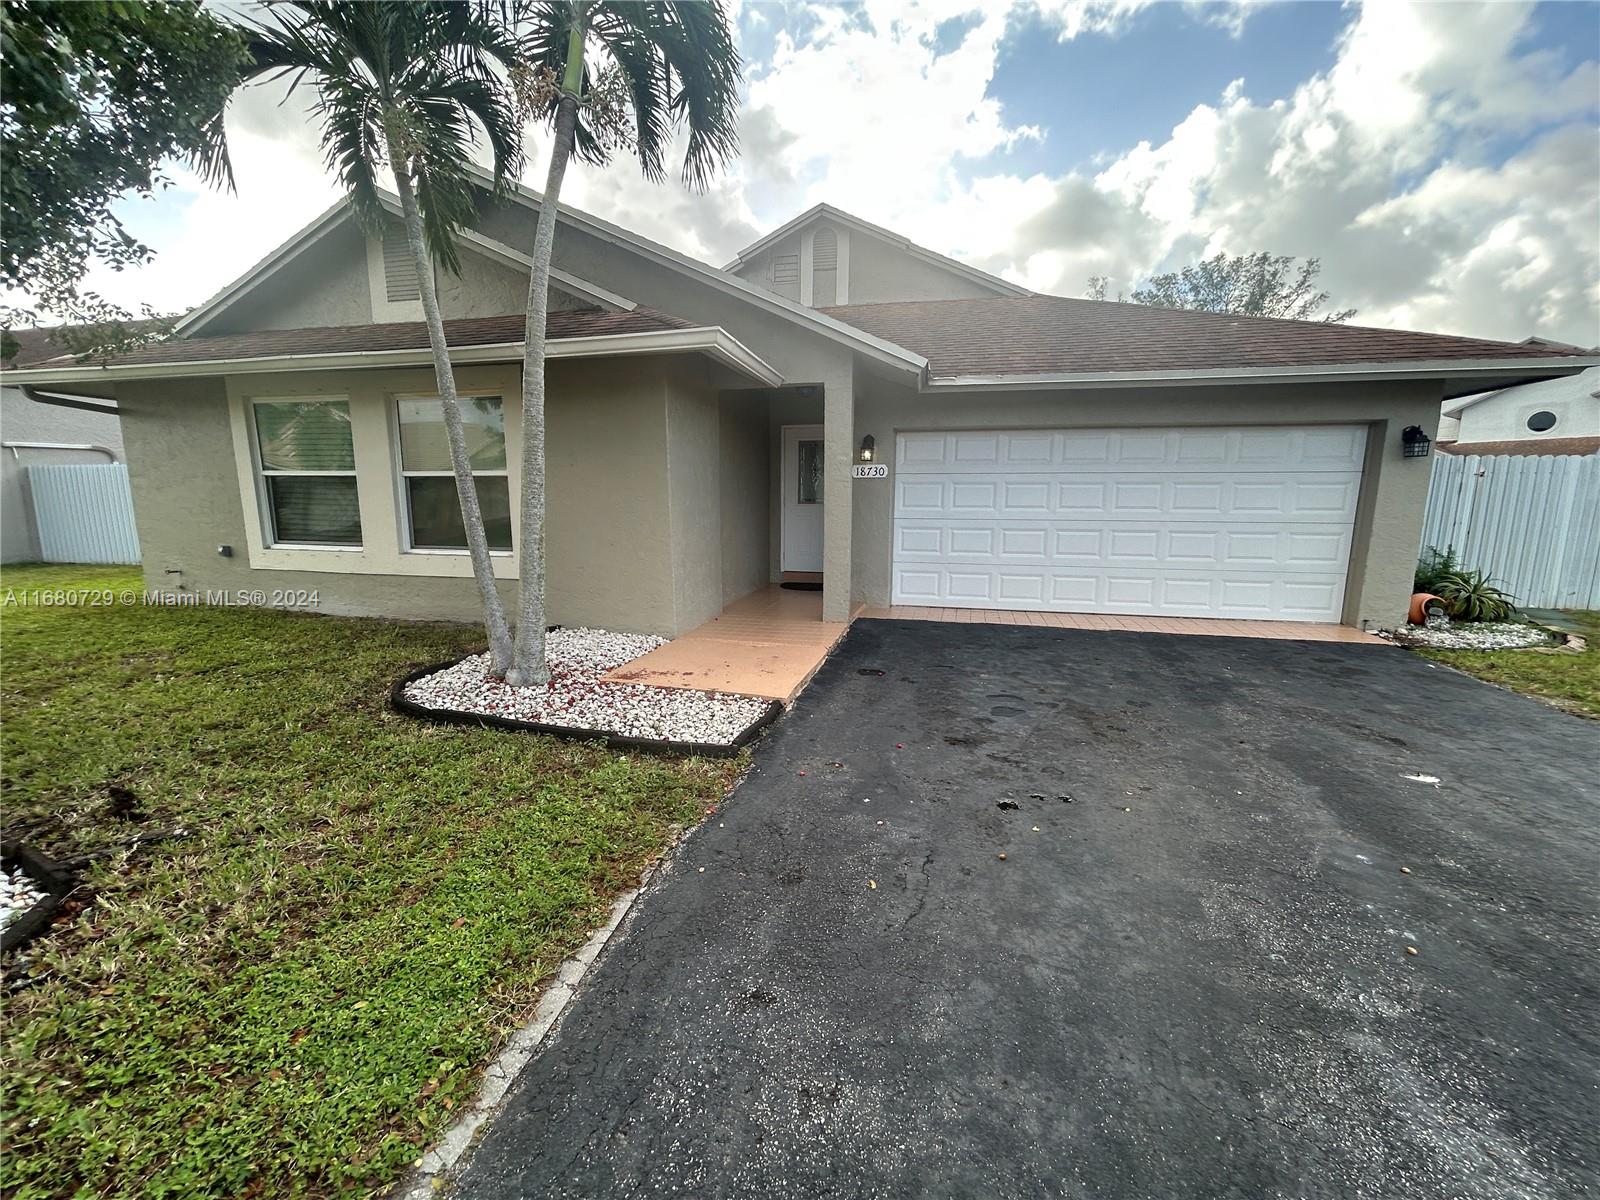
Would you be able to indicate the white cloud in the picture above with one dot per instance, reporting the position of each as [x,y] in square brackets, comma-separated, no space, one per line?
[1391,167]
[1466,244]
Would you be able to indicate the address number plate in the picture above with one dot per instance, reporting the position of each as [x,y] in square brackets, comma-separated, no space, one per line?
[870,471]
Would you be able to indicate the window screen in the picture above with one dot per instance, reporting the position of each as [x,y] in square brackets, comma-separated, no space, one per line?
[433,510]
[308,469]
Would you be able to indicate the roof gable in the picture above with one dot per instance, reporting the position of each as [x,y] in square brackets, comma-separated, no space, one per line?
[826,213]
[339,218]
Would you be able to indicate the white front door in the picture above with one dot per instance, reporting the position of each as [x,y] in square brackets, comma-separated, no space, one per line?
[1251,522]
[802,498]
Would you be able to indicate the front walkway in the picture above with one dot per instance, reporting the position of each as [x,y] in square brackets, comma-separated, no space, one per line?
[767,644]
[1293,631]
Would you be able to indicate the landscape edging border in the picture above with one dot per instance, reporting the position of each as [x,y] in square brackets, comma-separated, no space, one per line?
[48,874]
[616,741]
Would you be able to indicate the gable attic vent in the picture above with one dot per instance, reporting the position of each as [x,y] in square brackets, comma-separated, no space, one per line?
[786,268]
[825,250]
[399,273]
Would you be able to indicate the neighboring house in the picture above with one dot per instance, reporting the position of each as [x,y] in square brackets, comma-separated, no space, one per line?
[1561,409]
[33,434]
[1038,452]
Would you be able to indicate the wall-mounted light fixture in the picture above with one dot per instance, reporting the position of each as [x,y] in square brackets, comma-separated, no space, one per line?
[869,448]
[1416,443]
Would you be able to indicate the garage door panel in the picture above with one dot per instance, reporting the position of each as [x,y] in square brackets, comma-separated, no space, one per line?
[1286,498]
[1154,592]
[1029,451]
[1248,522]
[1131,451]
[996,543]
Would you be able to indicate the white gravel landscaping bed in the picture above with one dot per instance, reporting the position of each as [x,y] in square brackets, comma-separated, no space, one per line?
[1488,635]
[576,698]
[17,895]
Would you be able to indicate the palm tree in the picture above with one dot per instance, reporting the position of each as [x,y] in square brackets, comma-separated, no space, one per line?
[411,84]
[661,67]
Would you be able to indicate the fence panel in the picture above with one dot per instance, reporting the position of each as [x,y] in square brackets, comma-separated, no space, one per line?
[84,512]
[1530,521]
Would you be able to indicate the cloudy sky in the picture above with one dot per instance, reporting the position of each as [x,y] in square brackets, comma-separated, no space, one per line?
[1442,160]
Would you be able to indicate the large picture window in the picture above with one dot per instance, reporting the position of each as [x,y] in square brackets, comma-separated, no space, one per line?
[308,471]
[433,511]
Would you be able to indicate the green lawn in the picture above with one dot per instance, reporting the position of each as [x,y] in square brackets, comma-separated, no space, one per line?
[1569,681]
[291,1000]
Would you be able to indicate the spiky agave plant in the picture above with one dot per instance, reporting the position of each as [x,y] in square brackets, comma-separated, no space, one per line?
[1470,596]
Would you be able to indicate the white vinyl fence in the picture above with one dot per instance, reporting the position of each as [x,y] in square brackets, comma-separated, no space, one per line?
[1532,522]
[84,513]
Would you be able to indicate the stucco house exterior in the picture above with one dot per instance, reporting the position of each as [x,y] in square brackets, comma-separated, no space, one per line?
[1027,451]
[1561,415]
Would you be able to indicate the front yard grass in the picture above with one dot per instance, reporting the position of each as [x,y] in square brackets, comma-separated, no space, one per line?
[1569,681]
[290,997]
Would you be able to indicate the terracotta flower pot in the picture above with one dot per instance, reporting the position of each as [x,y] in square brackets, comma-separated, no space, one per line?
[1422,603]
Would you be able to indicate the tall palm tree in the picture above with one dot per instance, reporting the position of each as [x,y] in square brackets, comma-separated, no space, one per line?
[664,67]
[410,84]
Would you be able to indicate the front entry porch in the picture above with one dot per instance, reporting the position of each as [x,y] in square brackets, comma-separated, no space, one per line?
[766,644]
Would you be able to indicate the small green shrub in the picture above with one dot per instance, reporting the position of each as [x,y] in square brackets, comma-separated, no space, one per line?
[1469,596]
[1433,565]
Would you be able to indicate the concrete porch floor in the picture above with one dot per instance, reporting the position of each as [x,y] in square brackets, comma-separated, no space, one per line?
[767,644]
[1296,631]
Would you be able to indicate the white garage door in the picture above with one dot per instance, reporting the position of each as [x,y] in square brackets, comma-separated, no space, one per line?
[1246,523]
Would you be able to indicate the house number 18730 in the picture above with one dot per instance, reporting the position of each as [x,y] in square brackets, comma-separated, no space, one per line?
[870,471]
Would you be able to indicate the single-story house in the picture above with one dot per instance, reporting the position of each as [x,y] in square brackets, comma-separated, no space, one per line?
[705,426]
[1565,410]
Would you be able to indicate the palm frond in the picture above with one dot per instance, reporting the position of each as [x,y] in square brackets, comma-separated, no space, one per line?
[421,77]
[677,61]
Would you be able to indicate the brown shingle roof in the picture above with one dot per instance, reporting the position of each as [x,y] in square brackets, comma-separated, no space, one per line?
[1523,447]
[1034,335]
[403,335]
[36,346]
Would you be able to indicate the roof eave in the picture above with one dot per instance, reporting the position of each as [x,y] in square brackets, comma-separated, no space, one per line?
[1462,369]
[712,341]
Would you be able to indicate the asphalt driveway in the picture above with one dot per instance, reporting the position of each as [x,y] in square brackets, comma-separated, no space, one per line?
[1190,979]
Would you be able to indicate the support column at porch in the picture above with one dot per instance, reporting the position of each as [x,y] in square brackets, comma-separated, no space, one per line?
[838,455]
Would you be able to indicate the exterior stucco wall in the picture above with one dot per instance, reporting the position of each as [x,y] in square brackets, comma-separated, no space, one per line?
[25,420]
[1394,489]
[798,354]
[330,284]
[744,483]
[880,272]
[609,521]
[483,289]
[608,530]
[1503,417]
[325,285]
[694,489]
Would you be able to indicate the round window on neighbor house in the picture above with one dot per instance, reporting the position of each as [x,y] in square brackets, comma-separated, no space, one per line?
[1542,421]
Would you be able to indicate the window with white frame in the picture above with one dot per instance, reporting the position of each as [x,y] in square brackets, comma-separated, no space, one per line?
[308,472]
[432,508]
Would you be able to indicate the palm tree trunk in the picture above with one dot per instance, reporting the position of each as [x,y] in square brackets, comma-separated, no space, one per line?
[494,613]
[528,667]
